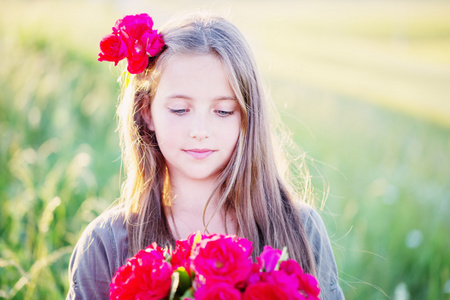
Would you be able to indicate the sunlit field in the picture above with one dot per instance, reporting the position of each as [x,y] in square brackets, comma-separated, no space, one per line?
[364,88]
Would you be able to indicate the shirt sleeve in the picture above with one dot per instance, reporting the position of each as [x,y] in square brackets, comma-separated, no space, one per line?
[326,270]
[95,259]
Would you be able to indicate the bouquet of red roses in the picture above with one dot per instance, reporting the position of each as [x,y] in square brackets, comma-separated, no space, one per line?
[212,267]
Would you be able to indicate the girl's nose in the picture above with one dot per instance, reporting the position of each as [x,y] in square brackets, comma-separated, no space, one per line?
[200,128]
[199,135]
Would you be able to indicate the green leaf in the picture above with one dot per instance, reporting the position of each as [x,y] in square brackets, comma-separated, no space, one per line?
[188,294]
[185,281]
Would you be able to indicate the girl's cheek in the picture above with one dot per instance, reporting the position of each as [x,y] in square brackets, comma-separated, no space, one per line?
[176,124]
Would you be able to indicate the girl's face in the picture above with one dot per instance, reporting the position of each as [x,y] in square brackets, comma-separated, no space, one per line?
[195,116]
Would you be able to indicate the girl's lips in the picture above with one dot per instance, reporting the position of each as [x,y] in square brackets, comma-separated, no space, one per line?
[199,153]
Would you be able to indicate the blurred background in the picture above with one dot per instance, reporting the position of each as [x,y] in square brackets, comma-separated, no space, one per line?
[364,87]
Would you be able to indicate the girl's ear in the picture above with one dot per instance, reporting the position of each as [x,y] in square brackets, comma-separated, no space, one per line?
[147,116]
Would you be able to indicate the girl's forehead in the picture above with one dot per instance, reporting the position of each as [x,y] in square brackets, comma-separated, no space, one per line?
[192,61]
[195,73]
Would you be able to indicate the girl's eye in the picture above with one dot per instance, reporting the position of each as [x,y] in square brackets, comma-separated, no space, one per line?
[180,112]
[224,113]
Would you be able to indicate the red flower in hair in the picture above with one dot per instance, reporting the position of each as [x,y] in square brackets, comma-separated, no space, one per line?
[132,38]
[113,48]
[154,43]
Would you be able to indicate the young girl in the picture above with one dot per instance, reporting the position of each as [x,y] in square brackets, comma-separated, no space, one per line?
[198,155]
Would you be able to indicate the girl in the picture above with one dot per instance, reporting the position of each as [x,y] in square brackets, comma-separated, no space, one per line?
[198,155]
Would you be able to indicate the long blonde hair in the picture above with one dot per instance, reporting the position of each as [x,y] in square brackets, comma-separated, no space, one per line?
[251,188]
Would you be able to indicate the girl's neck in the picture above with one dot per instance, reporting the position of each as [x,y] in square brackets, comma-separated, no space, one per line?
[192,195]
[187,207]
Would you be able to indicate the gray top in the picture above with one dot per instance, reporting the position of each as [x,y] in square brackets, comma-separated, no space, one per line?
[103,248]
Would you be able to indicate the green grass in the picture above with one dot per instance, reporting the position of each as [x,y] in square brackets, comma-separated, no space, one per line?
[363,87]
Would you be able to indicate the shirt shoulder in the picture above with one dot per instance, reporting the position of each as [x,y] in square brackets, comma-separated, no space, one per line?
[326,270]
[100,251]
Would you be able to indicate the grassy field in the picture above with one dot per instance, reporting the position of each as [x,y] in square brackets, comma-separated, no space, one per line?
[364,88]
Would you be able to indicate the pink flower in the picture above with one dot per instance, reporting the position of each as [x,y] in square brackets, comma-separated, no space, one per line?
[153,41]
[269,258]
[306,282]
[282,279]
[290,278]
[219,291]
[145,276]
[222,259]
[113,49]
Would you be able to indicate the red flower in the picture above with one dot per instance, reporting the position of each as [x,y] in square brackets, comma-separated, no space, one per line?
[219,291]
[122,284]
[222,258]
[255,275]
[132,23]
[310,286]
[145,276]
[133,38]
[218,267]
[182,253]
[157,252]
[113,49]
[266,291]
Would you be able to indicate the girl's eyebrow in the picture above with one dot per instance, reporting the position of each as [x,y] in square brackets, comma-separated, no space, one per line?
[179,96]
[226,98]
[219,98]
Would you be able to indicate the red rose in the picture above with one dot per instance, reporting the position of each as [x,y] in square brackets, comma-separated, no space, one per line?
[145,276]
[255,275]
[156,252]
[221,258]
[137,62]
[137,32]
[182,253]
[267,291]
[121,283]
[113,49]
[131,29]
[130,23]
[309,285]
[219,291]
[133,38]
[269,258]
